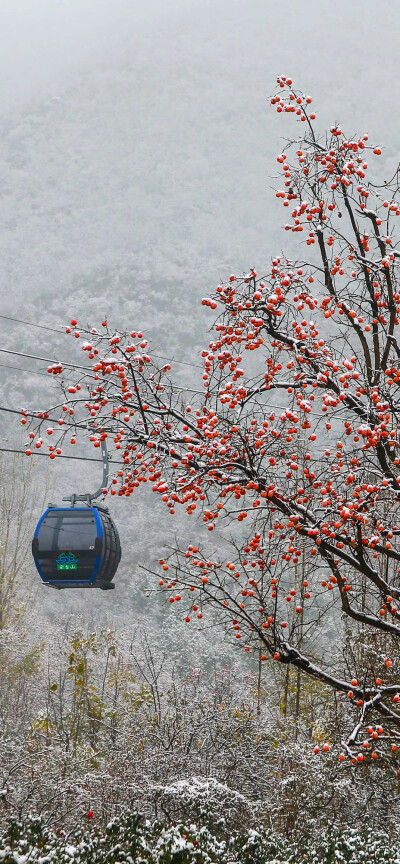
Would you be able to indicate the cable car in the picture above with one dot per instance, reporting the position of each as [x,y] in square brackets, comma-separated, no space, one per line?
[77,546]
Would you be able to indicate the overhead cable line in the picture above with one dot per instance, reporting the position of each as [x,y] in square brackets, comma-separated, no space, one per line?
[84,368]
[45,360]
[74,366]
[30,324]
[89,369]
[59,456]
[175,387]
[27,371]
[24,414]
[54,330]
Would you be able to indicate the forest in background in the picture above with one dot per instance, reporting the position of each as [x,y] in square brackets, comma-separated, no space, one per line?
[97,724]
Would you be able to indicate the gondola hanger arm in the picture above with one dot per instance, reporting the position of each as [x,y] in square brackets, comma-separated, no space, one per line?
[89,497]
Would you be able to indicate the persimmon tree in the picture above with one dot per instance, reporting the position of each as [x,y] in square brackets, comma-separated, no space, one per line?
[294,432]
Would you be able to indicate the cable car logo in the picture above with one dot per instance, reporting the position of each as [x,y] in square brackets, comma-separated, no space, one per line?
[67,561]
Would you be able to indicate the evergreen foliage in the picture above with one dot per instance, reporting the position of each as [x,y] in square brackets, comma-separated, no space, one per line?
[135,840]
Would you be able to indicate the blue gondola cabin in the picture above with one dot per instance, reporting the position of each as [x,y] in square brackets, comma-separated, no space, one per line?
[76,547]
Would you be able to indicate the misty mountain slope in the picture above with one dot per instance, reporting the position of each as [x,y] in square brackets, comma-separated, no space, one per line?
[138,176]
[121,192]
[144,178]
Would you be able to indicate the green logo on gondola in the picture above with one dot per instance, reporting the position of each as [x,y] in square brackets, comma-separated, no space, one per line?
[67,561]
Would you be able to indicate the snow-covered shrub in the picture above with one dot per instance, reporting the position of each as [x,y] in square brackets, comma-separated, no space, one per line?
[135,840]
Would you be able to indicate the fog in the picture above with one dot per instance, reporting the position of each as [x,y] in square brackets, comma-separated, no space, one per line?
[138,146]
[137,156]
[44,42]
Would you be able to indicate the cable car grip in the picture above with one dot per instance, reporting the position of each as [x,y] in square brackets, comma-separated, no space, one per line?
[89,497]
